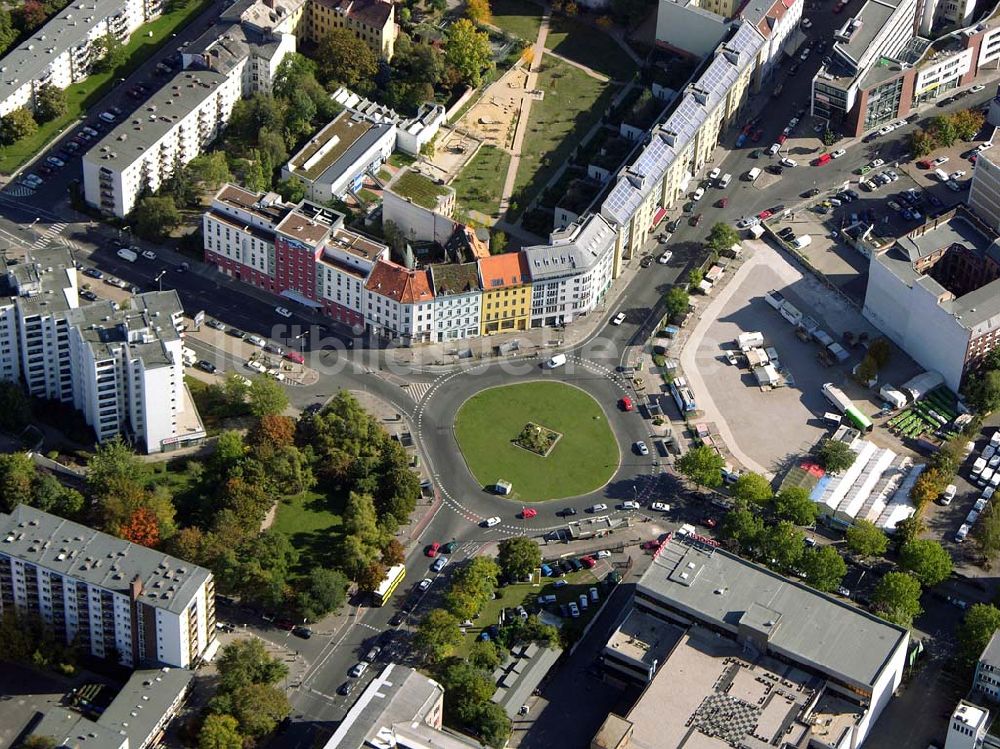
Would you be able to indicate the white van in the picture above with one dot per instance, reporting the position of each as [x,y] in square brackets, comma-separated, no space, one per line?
[753,174]
[775,147]
[188,356]
[126,254]
[556,361]
[724,182]
[941,176]
[804,241]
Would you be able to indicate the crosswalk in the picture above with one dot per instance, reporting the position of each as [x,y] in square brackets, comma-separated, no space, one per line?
[51,232]
[19,190]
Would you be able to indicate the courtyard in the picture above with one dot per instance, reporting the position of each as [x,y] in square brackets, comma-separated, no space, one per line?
[583,459]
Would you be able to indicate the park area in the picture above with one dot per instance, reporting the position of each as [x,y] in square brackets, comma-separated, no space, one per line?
[480,183]
[584,458]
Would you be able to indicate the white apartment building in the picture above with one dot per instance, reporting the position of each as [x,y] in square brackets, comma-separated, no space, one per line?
[984,194]
[129,373]
[399,303]
[238,230]
[570,274]
[113,597]
[343,266]
[775,20]
[173,127]
[59,53]
[458,300]
[681,145]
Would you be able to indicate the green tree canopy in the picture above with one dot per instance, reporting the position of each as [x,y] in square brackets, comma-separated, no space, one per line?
[975,631]
[323,591]
[258,708]
[492,724]
[220,732]
[792,503]
[722,237]
[17,477]
[983,389]
[986,533]
[343,57]
[50,102]
[743,526]
[897,598]
[107,54]
[824,568]
[245,662]
[266,396]
[702,465]
[752,487]
[18,124]
[927,560]
[437,636]
[677,300]
[866,539]
[782,546]
[468,51]
[836,456]
[518,557]
[155,216]
[943,130]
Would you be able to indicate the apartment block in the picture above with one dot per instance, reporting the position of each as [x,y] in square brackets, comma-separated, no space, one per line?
[373,21]
[60,52]
[399,303]
[984,192]
[121,369]
[174,126]
[112,597]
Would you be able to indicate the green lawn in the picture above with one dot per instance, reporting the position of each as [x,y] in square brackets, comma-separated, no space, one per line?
[312,521]
[589,46]
[573,102]
[418,188]
[80,96]
[399,159]
[518,17]
[478,185]
[583,460]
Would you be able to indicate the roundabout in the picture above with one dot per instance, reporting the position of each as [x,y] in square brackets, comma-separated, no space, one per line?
[495,427]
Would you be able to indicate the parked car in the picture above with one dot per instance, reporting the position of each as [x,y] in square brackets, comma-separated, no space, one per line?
[358,669]
[206,366]
[425,584]
[346,688]
[432,550]
[640,447]
[660,507]
[439,564]
[599,507]
[283,311]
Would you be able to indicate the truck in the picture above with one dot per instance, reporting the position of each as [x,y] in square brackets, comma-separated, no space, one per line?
[890,394]
[188,356]
[747,341]
[774,298]
[126,254]
[838,352]
[753,174]
[837,397]
[790,312]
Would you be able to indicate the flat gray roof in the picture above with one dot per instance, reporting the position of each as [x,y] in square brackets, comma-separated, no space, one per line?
[873,15]
[143,701]
[96,558]
[141,130]
[991,653]
[64,31]
[729,593]
[106,329]
[522,674]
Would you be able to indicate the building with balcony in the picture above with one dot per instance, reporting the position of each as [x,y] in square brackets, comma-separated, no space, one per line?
[373,21]
[113,598]
[60,52]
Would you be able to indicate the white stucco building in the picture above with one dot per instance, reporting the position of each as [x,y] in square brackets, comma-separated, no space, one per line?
[458,299]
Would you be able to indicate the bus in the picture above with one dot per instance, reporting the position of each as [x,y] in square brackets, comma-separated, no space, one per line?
[860,422]
[388,586]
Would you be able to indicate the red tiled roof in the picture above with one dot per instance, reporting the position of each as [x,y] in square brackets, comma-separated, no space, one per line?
[400,284]
[503,271]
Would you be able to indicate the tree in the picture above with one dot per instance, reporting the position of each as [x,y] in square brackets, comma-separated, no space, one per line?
[50,102]
[8,35]
[702,465]
[927,560]
[478,11]
[518,557]
[17,476]
[983,388]
[15,407]
[210,169]
[257,707]
[943,130]
[273,430]
[371,577]
[245,662]
[114,462]
[345,58]
[824,568]
[468,51]
[18,124]
[897,598]
[360,518]
[322,591]
[220,732]
[880,350]
[677,301]
[836,456]
[492,724]
[695,277]
[51,496]
[975,631]
[866,539]
[986,532]
[722,237]
[266,397]
[437,636]
[927,487]
[782,546]
[107,54]
[743,526]
[142,527]
[967,123]
[921,142]
[393,553]
[498,243]
[292,190]
[29,16]
[485,655]
[909,529]
[793,504]
[254,177]
[752,487]
[156,216]
[468,688]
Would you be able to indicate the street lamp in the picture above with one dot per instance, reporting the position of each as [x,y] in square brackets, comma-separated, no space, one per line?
[159,278]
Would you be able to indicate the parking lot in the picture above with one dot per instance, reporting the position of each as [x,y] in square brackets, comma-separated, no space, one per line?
[773,427]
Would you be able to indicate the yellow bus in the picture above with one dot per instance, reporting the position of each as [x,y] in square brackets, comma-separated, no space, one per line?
[386,588]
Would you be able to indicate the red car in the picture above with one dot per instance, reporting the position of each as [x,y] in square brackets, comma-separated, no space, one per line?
[710,522]
[782,138]
[295,356]
[432,550]
[763,215]
[924,164]
[286,624]
[722,203]
[650,545]
[527,513]
[587,562]
[695,220]
[625,404]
